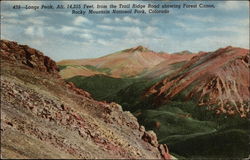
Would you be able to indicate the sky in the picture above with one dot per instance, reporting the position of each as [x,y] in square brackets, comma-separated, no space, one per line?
[60,34]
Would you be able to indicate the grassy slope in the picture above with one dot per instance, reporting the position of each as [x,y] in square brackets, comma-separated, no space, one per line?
[100,86]
[194,137]
[222,144]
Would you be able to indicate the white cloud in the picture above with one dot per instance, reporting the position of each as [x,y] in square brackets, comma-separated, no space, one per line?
[131,20]
[67,29]
[34,31]
[155,21]
[150,30]
[106,27]
[126,19]
[9,14]
[129,31]
[103,42]
[107,20]
[39,20]
[27,12]
[116,44]
[11,21]
[213,42]
[198,18]
[240,30]
[233,5]
[81,20]
[233,25]
[132,36]
[181,24]
[133,32]
[76,31]
[86,36]
[29,30]
[240,22]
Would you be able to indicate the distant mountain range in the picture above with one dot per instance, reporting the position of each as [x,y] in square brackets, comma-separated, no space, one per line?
[220,77]
[126,63]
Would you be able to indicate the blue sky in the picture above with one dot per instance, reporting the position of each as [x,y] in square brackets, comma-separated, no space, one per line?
[61,35]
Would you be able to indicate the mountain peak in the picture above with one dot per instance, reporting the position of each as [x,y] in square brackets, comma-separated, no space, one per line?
[183,52]
[139,48]
[227,48]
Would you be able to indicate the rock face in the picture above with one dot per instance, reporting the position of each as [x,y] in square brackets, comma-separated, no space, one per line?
[27,56]
[44,117]
[217,79]
[150,137]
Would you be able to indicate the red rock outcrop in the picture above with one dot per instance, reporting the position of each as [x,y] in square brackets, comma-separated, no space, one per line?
[218,78]
[27,56]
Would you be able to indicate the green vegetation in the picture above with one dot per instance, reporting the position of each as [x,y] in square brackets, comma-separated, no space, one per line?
[100,86]
[90,67]
[194,132]
[189,130]
[94,68]
[227,144]
[130,96]
[178,64]
[173,123]
[181,122]
[61,67]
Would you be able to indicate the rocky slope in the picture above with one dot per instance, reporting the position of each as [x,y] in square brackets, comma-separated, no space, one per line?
[126,63]
[219,80]
[172,63]
[44,117]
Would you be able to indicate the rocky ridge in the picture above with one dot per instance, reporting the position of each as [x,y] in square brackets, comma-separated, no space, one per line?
[23,54]
[219,78]
[44,117]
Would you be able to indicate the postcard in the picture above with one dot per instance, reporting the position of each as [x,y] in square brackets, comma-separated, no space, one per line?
[125,79]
